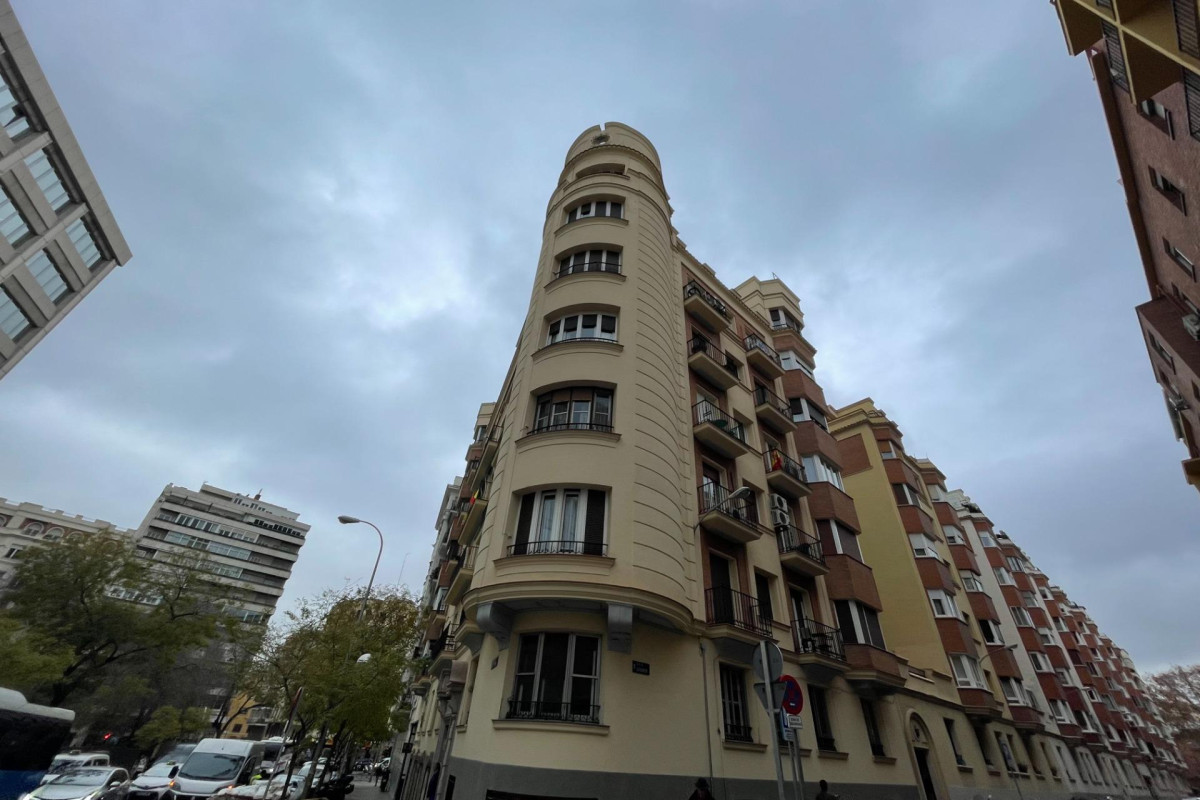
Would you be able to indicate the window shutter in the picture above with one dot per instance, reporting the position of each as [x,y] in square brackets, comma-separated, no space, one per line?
[524,521]
[593,527]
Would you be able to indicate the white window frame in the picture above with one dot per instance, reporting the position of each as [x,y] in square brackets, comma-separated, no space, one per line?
[569,673]
[1003,576]
[558,512]
[556,331]
[575,214]
[1014,564]
[986,539]
[790,361]
[924,546]
[1061,712]
[943,604]
[912,495]
[1046,636]
[1040,662]
[836,531]
[971,581]
[953,534]
[994,628]
[806,409]
[1029,599]
[818,470]
[1060,625]
[1022,619]
[1014,691]
[966,671]
[590,260]
[862,631]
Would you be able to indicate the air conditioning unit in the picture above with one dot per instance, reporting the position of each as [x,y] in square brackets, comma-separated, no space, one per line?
[781,515]
[1191,324]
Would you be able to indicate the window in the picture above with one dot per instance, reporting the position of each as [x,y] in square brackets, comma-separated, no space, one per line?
[1046,636]
[561,521]
[579,408]
[1061,711]
[1029,599]
[971,582]
[936,493]
[1157,115]
[953,534]
[1060,624]
[859,623]
[1040,662]
[583,326]
[1179,258]
[762,590]
[12,224]
[1020,616]
[1014,563]
[1170,191]
[85,243]
[1045,593]
[804,410]
[966,672]
[557,678]
[820,714]
[596,208]
[943,603]
[958,756]
[54,535]
[480,433]
[734,713]
[33,529]
[923,546]
[13,552]
[781,319]
[1191,88]
[986,539]
[590,261]
[843,539]
[790,360]
[48,277]
[12,114]
[872,726]
[1003,576]
[991,631]
[817,469]
[48,180]
[906,495]
[1014,691]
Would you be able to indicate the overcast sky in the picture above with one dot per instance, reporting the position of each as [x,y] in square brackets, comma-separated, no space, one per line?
[335,211]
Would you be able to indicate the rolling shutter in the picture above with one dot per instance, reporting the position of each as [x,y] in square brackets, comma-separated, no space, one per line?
[593,527]
[524,522]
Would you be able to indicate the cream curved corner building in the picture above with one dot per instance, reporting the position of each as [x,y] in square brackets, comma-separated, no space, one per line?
[655,490]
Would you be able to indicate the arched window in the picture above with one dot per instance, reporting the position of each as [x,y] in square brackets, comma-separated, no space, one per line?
[583,326]
[53,535]
[596,208]
[598,260]
[33,528]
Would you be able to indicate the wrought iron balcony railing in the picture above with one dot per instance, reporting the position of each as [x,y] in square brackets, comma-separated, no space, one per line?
[553,712]
[705,411]
[793,540]
[728,607]
[765,397]
[715,497]
[779,461]
[694,289]
[701,344]
[558,547]
[754,342]
[815,637]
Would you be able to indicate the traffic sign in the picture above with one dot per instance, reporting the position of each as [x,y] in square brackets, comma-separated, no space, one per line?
[760,689]
[793,696]
[774,662]
[794,721]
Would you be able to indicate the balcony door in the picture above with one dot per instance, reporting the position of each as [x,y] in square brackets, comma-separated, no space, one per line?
[710,486]
[801,609]
[720,571]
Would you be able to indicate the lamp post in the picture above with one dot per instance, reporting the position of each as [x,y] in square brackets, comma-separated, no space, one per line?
[348,520]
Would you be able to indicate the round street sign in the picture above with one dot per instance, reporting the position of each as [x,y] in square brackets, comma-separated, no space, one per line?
[793,696]
[770,671]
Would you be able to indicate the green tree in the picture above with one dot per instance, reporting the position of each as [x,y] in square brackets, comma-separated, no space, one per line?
[31,658]
[95,597]
[1176,695]
[168,723]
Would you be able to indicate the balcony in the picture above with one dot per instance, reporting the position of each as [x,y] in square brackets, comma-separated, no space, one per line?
[473,521]
[735,623]
[579,713]
[712,363]
[704,306]
[800,551]
[785,475]
[461,580]
[442,651]
[773,409]
[735,519]
[719,431]
[873,671]
[558,547]
[560,427]
[763,356]
[819,649]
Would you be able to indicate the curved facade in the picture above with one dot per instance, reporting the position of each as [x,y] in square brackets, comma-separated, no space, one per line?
[654,492]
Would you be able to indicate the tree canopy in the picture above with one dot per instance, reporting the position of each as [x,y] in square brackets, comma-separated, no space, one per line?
[1176,695]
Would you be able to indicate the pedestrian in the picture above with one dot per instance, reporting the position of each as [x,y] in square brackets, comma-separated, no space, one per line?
[702,792]
[378,774]
[386,773]
[825,794]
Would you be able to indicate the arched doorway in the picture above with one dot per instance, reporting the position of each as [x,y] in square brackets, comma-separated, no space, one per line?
[924,758]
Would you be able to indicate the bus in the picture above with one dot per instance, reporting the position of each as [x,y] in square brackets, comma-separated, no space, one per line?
[30,737]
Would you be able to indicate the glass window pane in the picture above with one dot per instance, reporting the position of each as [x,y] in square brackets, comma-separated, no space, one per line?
[14,123]
[47,179]
[570,516]
[546,520]
[608,324]
[85,245]
[48,276]
[554,670]
[13,321]
[12,225]
[581,412]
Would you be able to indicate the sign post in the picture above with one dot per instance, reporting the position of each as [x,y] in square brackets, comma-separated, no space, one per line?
[768,666]
[790,708]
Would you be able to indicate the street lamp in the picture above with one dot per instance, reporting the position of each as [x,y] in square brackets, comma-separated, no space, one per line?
[348,520]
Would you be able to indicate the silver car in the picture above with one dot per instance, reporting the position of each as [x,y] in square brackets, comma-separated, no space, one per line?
[84,783]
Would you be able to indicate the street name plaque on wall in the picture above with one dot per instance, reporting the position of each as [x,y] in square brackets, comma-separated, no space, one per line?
[641,668]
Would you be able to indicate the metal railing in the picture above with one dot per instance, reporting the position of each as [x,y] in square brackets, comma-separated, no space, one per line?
[815,637]
[754,342]
[728,607]
[588,266]
[700,344]
[572,426]
[787,324]
[779,461]
[466,557]
[553,712]
[568,340]
[694,289]
[705,411]
[793,540]
[572,547]
[715,497]
[738,733]
[765,397]
[444,643]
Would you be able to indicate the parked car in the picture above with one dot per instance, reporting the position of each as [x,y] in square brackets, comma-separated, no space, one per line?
[84,783]
[72,760]
[154,782]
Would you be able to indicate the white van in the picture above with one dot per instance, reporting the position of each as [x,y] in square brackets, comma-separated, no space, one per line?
[64,762]
[217,764]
